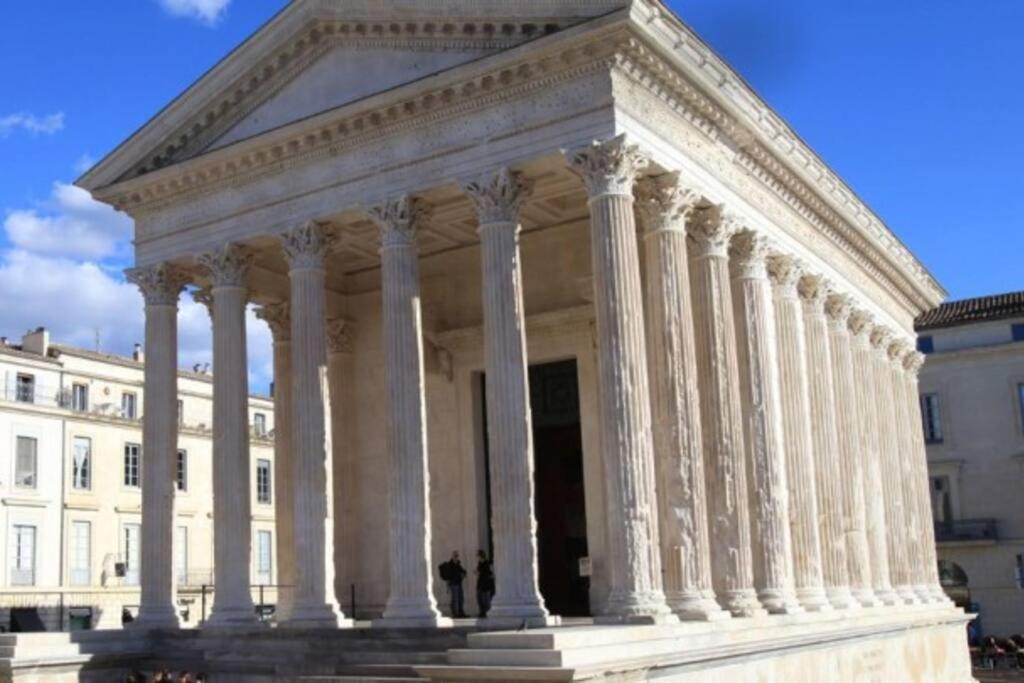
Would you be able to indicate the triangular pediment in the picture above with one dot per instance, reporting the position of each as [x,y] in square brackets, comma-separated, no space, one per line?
[341,76]
[317,55]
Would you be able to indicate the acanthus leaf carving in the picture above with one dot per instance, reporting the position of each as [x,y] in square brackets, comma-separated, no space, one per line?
[711,229]
[498,197]
[160,284]
[307,245]
[398,220]
[663,203]
[227,266]
[277,315]
[608,167]
[340,335]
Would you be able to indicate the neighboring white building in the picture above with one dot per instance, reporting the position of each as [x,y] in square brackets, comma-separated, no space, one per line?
[972,400]
[71,465]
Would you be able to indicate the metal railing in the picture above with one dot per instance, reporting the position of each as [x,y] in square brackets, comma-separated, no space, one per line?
[966,530]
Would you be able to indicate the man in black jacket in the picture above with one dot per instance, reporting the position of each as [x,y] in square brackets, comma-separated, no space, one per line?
[453,573]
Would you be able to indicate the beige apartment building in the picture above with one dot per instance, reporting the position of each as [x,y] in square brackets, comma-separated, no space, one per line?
[972,404]
[71,467]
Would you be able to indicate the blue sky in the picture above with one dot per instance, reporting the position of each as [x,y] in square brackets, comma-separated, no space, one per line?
[916,103]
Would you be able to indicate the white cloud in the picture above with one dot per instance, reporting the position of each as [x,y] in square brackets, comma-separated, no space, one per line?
[69,223]
[206,11]
[45,125]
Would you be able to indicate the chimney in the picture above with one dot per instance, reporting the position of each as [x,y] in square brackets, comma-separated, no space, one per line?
[37,342]
[137,354]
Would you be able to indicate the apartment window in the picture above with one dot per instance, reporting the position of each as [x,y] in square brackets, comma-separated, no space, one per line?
[262,481]
[81,464]
[932,417]
[181,555]
[132,464]
[130,553]
[181,474]
[25,389]
[128,405]
[81,552]
[260,424]
[1017,329]
[926,344]
[181,412]
[26,463]
[23,555]
[80,397]
[264,558]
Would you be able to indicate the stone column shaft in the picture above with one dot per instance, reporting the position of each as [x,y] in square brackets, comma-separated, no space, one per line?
[797,423]
[762,413]
[924,562]
[850,451]
[510,435]
[341,550]
[278,319]
[901,517]
[232,497]
[160,287]
[314,603]
[721,418]
[825,443]
[609,170]
[867,396]
[411,599]
[664,207]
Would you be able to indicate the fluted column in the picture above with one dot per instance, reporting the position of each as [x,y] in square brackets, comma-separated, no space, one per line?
[825,443]
[848,424]
[664,207]
[232,497]
[314,604]
[762,421]
[609,170]
[924,562]
[808,575]
[279,321]
[721,419]
[865,395]
[340,550]
[160,286]
[517,596]
[411,600]
[900,515]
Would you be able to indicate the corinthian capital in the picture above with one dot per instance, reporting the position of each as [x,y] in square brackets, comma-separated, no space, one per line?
[499,196]
[278,318]
[609,167]
[398,220]
[307,245]
[160,285]
[204,297]
[881,337]
[860,323]
[897,352]
[711,229]
[837,308]
[785,272]
[814,289]
[749,252]
[227,266]
[664,204]
[912,362]
[340,335]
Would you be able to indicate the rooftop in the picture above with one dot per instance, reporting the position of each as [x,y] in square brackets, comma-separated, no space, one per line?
[967,311]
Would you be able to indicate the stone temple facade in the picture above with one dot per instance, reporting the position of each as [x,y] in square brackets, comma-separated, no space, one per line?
[544,277]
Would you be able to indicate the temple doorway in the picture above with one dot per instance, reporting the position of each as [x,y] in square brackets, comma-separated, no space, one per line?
[559,497]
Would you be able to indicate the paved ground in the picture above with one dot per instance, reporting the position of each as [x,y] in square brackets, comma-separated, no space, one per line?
[1000,676]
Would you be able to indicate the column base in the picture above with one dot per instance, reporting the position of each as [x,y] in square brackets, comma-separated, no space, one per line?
[908,596]
[697,608]
[316,616]
[841,598]
[515,615]
[866,597]
[154,618]
[637,619]
[779,602]
[233,617]
[887,596]
[436,621]
[637,608]
[814,599]
[743,604]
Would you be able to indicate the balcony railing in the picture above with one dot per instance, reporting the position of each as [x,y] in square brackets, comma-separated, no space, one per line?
[966,530]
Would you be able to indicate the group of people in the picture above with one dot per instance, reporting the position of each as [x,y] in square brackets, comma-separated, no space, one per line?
[165,677]
[453,574]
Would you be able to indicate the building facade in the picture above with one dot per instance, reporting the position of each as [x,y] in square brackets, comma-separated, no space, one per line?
[972,399]
[547,278]
[74,462]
